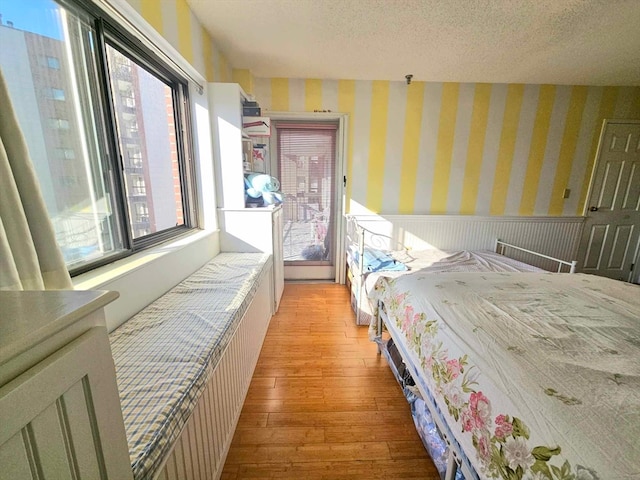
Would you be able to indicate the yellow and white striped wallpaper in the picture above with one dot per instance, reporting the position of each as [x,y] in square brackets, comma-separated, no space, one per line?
[456,148]
[175,21]
[462,148]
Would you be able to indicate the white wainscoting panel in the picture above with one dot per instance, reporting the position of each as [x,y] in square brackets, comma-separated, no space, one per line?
[201,449]
[554,236]
[61,418]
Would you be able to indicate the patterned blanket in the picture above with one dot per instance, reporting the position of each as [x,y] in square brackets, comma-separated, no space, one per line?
[538,374]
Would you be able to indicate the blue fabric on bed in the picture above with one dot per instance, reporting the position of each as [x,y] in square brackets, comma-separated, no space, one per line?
[376,261]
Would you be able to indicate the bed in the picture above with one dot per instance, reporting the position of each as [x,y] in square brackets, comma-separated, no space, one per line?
[523,376]
[447,378]
[371,255]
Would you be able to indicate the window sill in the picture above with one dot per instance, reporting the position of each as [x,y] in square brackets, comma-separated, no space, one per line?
[97,278]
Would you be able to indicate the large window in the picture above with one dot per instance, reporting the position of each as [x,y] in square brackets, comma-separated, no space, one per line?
[145,121]
[103,122]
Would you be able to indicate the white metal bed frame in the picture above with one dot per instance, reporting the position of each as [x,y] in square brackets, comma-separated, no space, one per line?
[501,246]
[357,236]
[457,459]
[361,237]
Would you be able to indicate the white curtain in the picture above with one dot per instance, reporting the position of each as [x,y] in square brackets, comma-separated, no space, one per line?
[30,258]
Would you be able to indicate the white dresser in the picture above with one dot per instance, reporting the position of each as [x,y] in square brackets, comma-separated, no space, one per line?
[59,407]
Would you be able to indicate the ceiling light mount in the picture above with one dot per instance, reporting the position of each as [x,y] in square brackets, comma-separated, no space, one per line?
[408,78]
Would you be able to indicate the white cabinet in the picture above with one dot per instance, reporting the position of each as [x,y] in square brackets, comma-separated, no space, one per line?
[255,230]
[59,401]
[232,149]
[241,229]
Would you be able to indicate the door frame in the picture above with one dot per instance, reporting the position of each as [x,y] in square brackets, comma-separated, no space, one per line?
[341,173]
[634,276]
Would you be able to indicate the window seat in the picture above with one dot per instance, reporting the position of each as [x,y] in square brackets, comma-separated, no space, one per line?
[166,354]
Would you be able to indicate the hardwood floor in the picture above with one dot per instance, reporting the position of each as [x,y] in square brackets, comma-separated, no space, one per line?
[322,404]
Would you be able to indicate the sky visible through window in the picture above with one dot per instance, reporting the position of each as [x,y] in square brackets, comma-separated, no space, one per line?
[37,16]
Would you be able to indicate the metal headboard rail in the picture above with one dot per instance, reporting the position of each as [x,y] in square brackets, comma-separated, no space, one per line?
[361,236]
[501,245]
[356,234]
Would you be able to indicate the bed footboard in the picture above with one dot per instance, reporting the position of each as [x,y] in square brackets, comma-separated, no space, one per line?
[502,247]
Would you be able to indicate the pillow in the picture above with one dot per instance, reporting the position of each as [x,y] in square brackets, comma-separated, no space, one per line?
[377,261]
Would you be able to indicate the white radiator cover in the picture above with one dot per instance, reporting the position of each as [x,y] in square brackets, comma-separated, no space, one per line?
[555,236]
[201,449]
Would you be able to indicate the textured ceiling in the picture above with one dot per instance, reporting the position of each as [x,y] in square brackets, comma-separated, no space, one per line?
[591,42]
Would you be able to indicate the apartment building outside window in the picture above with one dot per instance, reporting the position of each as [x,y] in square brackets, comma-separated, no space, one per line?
[134,157]
[105,137]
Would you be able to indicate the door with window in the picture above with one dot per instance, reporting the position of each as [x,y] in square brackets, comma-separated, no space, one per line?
[306,156]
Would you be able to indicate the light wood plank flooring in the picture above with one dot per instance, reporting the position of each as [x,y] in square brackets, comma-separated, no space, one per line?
[322,404]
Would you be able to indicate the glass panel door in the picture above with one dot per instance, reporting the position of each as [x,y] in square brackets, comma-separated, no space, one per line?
[306,169]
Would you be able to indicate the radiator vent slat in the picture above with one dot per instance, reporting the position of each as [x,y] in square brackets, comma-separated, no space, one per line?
[203,445]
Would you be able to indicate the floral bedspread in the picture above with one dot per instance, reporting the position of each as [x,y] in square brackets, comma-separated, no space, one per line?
[538,374]
[439,261]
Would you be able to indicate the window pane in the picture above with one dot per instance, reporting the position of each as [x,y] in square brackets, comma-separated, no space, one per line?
[46,58]
[56,93]
[147,135]
[306,165]
[53,62]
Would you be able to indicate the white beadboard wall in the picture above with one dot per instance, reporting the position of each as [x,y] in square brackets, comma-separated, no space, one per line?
[201,450]
[554,236]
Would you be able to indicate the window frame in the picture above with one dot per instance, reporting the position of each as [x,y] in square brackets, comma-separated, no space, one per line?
[109,32]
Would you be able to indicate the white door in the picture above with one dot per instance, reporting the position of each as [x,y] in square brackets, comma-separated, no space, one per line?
[610,239]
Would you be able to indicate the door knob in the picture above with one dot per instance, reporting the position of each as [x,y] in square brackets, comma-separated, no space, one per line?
[593,209]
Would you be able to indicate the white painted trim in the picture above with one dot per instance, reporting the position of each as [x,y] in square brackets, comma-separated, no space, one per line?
[341,172]
[592,174]
[129,18]
[146,275]
[310,272]
[96,278]
[341,225]
[321,116]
